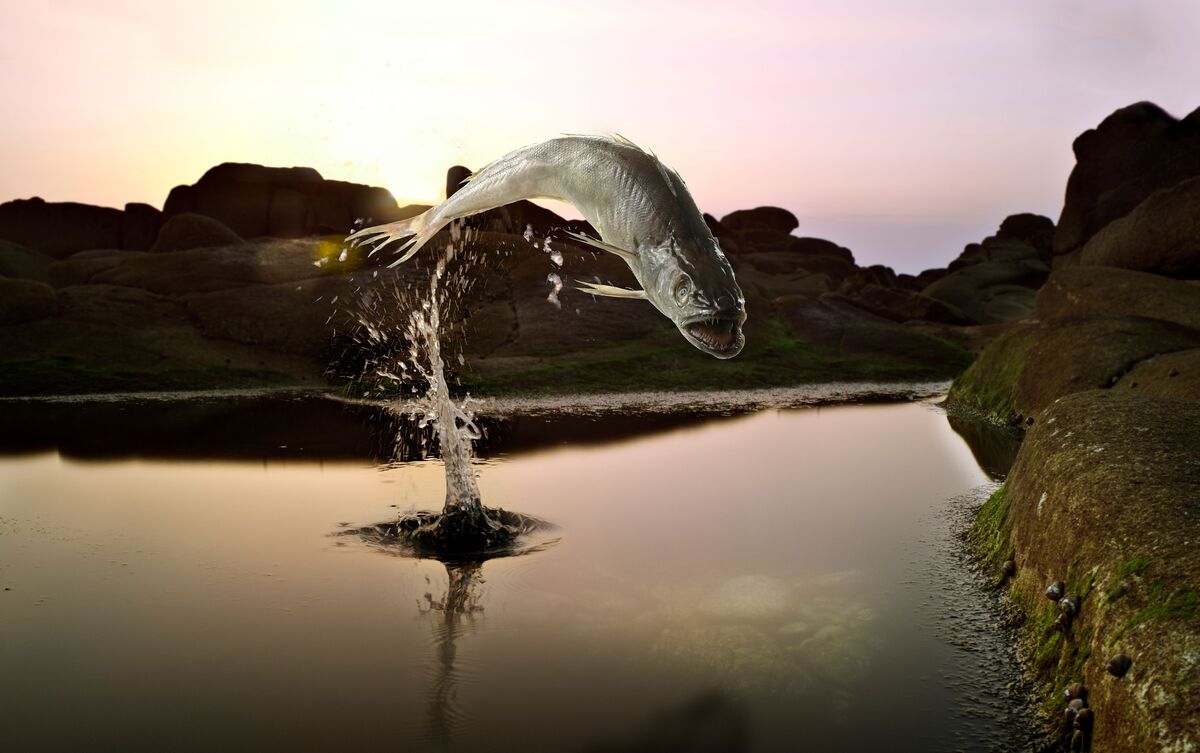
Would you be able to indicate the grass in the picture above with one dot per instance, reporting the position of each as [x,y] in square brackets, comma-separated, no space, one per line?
[990,532]
[67,376]
[989,385]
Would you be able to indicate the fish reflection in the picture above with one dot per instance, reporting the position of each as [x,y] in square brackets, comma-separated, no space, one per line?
[454,615]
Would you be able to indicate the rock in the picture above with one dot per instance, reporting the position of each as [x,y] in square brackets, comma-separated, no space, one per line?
[761,218]
[140,224]
[832,324]
[1133,153]
[312,318]
[992,291]
[261,262]
[59,229]
[1119,665]
[1174,375]
[1075,292]
[80,268]
[187,231]
[25,300]
[25,263]
[1032,229]
[1113,475]
[1160,235]
[929,276]
[455,177]
[1073,355]
[256,201]
[1054,592]
[904,305]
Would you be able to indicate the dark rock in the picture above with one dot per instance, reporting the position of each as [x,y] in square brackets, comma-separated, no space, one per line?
[1084,720]
[1133,153]
[1008,568]
[140,224]
[1069,604]
[1075,292]
[1119,665]
[256,201]
[80,268]
[761,218]
[1076,690]
[1032,229]
[183,232]
[1101,476]
[992,291]
[455,177]
[25,300]
[1173,375]
[25,263]
[901,305]
[1160,235]
[1056,591]
[59,229]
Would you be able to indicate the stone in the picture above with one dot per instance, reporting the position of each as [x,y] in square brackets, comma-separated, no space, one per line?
[1134,152]
[59,229]
[183,232]
[25,300]
[455,177]
[1160,235]
[140,224]
[992,291]
[1075,292]
[1172,375]
[18,261]
[761,218]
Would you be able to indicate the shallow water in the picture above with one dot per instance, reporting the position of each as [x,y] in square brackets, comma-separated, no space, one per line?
[778,579]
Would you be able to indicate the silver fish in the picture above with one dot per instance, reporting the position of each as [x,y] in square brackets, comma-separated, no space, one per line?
[642,211]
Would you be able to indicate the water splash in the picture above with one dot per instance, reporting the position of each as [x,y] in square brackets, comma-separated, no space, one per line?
[407,355]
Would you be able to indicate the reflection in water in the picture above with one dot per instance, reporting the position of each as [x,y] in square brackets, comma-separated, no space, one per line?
[454,613]
[994,447]
[712,722]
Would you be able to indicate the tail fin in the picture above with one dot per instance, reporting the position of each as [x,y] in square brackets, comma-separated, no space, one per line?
[417,229]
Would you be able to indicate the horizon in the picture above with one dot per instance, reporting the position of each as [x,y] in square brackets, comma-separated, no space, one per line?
[902,134]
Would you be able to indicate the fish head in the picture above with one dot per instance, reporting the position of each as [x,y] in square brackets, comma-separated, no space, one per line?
[692,284]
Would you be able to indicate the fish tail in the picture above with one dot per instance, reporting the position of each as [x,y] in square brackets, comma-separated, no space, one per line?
[418,230]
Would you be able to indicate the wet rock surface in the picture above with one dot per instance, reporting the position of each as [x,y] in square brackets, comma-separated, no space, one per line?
[1103,494]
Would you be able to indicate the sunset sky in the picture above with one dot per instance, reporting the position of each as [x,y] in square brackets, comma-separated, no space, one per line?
[900,129]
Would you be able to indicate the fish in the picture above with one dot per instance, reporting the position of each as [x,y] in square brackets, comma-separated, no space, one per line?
[642,211]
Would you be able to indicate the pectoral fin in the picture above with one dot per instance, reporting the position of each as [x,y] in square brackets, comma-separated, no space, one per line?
[608,291]
[601,245]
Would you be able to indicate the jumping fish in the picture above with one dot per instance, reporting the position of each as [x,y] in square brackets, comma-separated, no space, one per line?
[642,210]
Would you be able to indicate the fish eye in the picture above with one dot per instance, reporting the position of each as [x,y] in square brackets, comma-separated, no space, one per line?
[683,290]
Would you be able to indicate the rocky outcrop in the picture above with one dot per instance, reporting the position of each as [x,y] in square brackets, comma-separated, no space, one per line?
[59,229]
[187,231]
[996,280]
[773,219]
[25,263]
[1095,326]
[1133,153]
[281,202]
[1103,497]
[1160,235]
[25,300]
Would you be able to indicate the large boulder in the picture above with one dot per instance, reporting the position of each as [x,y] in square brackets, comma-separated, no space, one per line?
[139,226]
[1030,367]
[25,300]
[1134,152]
[1160,235]
[761,218]
[187,231]
[1174,375]
[1075,292]
[992,291]
[59,229]
[18,261]
[902,305]
[80,268]
[1105,495]
[286,202]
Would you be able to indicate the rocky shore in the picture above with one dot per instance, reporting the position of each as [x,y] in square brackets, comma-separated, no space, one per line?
[243,280]
[1104,496]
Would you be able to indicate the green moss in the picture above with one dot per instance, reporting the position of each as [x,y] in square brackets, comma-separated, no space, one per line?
[1135,566]
[1128,569]
[68,376]
[991,529]
[1179,605]
[989,385]
[774,360]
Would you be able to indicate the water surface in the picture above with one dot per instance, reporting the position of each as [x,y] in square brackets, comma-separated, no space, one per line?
[773,580]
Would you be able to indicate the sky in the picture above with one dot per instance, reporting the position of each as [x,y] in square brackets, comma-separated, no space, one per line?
[902,130]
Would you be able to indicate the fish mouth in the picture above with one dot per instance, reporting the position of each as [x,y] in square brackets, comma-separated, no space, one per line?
[718,335]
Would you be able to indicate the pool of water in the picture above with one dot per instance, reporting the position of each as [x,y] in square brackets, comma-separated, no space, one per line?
[762,578]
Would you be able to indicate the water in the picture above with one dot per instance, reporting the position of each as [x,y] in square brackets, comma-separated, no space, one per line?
[759,579]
